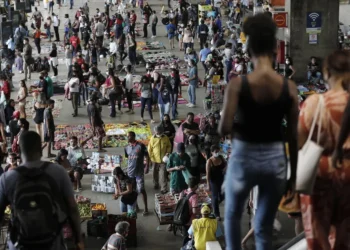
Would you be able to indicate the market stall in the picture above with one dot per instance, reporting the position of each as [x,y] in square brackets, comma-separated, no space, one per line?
[55,112]
[165,204]
[155,45]
[116,134]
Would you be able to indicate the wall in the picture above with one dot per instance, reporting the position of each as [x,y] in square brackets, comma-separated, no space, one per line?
[300,49]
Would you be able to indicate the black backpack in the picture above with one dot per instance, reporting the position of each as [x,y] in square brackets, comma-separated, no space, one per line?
[182,213]
[38,212]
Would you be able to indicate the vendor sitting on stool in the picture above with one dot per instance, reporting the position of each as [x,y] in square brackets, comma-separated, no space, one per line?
[204,229]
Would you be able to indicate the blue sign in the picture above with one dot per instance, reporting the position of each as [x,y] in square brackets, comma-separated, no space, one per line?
[314,22]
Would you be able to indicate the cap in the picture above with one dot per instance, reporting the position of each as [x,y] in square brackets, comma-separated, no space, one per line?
[16,114]
[205,210]
[180,147]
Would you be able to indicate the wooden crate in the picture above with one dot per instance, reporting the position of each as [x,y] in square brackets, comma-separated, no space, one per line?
[96,213]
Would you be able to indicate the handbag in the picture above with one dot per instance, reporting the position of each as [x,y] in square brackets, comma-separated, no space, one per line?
[293,204]
[309,156]
[129,199]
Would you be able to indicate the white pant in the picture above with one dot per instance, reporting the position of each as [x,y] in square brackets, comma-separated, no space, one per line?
[68,62]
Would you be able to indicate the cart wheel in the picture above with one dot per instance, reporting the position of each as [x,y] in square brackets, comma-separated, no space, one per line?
[174,229]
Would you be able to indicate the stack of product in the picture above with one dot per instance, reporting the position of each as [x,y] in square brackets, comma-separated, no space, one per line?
[98,210]
[155,45]
[164,207]
[217,96]
[103,183]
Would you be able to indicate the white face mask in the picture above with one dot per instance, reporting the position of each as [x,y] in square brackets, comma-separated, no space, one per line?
[216,154]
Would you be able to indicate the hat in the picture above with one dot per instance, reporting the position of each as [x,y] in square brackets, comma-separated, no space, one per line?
[180,147]
[205,210]
[16,114]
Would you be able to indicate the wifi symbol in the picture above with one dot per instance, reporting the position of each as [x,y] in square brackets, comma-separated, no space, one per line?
[314,16]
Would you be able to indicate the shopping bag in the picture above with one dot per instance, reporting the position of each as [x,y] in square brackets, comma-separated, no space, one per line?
[290,203]
[309,156]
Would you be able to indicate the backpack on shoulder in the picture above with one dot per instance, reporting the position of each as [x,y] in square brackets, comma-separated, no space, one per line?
[38,211]
[182,213]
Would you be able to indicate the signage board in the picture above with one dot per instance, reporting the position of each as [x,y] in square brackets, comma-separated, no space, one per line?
[313,22]
[280,19]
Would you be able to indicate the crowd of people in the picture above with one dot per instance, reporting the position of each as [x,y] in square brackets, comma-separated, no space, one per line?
[257,100]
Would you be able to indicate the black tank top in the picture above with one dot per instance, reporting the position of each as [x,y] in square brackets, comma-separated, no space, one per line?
[260,123]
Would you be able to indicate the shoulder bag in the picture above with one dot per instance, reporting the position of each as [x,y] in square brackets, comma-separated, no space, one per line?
[310,154]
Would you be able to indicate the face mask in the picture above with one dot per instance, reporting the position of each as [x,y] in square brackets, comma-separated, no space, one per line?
[287,62]
[216,154]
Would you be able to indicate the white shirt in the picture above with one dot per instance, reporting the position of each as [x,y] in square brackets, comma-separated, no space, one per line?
[228,53]
[74,84]
[113,47]
[74,154]
[55,21]
[129,81]
[100,29]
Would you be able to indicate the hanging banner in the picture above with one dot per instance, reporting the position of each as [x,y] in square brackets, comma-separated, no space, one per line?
[278,3]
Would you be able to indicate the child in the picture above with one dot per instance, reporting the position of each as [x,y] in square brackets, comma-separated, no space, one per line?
[19,63]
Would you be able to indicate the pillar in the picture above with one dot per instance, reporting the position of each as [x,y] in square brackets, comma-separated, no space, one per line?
[327,40]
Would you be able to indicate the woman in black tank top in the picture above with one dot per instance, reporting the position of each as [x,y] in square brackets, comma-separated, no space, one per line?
[259,102]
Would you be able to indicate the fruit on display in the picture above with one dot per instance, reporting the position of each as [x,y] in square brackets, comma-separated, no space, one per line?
[84,209]
[99,206]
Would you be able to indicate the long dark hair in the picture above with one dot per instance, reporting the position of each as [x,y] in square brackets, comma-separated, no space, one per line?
[61,153]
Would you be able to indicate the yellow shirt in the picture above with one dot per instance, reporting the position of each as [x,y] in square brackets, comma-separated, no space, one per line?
[243,38]
[204,230]
[158,147]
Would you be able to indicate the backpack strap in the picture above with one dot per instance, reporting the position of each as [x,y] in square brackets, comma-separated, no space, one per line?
[23,170]
[188,196]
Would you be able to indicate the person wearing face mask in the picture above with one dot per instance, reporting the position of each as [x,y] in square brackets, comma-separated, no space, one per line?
[158,147]
[215,169]
[289,70]
[237,68]
[175,83]
[117,241]
[212,136]
[113,48]
[146,97]
[193,82]
[197,159]
[189,127]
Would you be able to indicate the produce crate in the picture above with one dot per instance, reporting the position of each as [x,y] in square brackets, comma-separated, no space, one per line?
[84,209]
[97,228]
[165,204]
[98,212]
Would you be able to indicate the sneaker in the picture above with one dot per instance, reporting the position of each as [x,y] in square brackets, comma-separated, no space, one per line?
[188,104]
[193,106]
[153,121]
[142,120]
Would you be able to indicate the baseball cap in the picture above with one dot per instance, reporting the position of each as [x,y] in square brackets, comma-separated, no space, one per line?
[16,114]
[205,210]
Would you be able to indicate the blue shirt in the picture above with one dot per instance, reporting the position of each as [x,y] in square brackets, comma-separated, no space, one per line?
[193,72]
[170,27]
[204,53]
[218,23]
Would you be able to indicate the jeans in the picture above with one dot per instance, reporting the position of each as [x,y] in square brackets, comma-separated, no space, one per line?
[54,68]
[124,208]
[154,29]
[122,56]
[205,67]
[202,40]
[75,100]
[254,164]
[163,109]
[318,75]
[191,91]
[56,33]
[174,106]
[37,44]
[115,99]
[147,101]
[129,98]
[217,196]
[118,30]
[145,31]
[48,33]
[186,45]
[71,4]
[132,56]
[228,64]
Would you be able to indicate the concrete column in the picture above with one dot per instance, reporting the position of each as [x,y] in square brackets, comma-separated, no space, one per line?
[300,49]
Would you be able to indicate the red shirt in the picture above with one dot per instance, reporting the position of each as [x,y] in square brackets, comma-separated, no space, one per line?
[119,21]
[75,41]
[80,61]
[133,18]
[7,90]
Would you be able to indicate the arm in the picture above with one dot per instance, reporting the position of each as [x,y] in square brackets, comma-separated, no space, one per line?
[230,107]
[292,130]
[128,190]
[293,70]
[82,144]
[207,170]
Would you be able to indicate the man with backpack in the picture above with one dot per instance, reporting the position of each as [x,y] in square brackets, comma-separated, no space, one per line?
[187,207]
[44,191]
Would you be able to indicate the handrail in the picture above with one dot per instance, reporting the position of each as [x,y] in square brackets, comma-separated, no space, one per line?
[298,240]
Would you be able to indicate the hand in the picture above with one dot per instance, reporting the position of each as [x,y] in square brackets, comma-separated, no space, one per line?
[290,188]
[337,158]
[80,245]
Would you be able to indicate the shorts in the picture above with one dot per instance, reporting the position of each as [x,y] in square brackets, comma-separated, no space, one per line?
[171,36]
[100,132]
[140,183]
[49,137]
